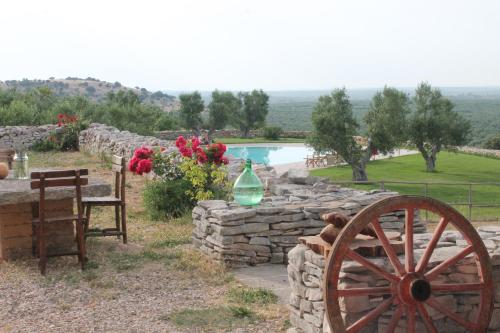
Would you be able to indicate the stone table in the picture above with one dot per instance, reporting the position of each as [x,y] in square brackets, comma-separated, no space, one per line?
[19,204]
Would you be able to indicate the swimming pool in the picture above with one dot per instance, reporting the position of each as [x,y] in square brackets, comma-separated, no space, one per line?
[271,155]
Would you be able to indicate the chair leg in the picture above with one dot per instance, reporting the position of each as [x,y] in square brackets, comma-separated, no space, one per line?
[42,250]
[87,219]
[117,219]
[81,244]
[124,222]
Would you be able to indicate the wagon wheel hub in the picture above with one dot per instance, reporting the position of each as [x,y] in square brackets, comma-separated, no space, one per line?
[413,289]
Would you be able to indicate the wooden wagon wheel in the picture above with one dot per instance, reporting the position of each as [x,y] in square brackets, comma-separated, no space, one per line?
[412,284]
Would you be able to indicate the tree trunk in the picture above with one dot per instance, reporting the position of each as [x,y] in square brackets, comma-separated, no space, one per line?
[359,172]
[246,132]
[430,162]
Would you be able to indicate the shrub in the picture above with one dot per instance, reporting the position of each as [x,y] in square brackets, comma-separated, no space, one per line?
[272,132]
[493,142]
[48,144]
[167,198]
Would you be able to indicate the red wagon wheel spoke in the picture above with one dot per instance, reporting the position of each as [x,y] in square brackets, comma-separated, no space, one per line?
[426,318]
[371,266]
[448,313]
[458,287]
[433,273]
[364,291]
[395,318]
[410,319]
[389,250]
[370,316]
[409,257]
[422,264]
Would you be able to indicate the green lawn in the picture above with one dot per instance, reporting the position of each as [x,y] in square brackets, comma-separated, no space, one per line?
[258,140]
[451,168]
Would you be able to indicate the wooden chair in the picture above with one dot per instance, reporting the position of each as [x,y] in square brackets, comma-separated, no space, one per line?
[118,201]
[7,155]
[43,180]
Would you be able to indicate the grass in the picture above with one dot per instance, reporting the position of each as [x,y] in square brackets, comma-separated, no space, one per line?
[252,296]
[455,168]
[258,140]
[220,317]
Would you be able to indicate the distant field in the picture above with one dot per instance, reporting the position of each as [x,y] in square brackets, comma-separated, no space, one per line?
[292,111]
[258,140]
[452,168]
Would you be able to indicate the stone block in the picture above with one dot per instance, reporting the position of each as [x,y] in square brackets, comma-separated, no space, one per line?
[260,241]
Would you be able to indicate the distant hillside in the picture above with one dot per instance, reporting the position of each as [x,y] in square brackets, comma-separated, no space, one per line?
[92,88]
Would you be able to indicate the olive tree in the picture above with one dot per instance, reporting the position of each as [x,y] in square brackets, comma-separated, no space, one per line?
[253,113]
[190,111]
[223,106]
[434,124]
[335,127]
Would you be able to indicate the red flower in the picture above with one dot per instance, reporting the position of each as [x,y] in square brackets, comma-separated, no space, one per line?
[185,151]
[195,142]
[180,142]
[144,166]
[201,156]
[132,164]
[224,160]
[143,153]
[60,116]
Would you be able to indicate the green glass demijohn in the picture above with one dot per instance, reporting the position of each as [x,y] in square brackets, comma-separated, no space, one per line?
[248,189]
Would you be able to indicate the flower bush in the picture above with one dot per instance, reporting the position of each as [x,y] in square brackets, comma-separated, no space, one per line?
[65,137]
[195,172]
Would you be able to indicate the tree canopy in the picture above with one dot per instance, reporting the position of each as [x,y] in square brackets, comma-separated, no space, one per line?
[434,124]
[223,107]
[252,114]
[190,111]
[335,127]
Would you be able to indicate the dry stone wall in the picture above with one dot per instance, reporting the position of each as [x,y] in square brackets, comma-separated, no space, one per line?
[305,275]
[239,236]
[23,137]
[108,140]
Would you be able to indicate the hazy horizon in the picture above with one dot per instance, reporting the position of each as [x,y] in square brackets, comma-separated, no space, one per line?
[239,45]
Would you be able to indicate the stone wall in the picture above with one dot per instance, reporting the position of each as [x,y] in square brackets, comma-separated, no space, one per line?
[306,268]
[479,151]
[23,137]
[172,135]
[239,236]
[108,140]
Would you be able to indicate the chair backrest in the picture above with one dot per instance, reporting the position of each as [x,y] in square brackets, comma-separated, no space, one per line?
[7,155]
[61,178]
[118,165]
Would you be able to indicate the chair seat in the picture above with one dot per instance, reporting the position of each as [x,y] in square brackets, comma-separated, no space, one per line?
[101,200]
[58,219]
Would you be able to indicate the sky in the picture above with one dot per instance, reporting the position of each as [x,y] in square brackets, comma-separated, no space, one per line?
[242,45]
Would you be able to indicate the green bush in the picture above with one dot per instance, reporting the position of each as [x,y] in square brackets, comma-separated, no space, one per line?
[272,132]
[167,198]
[493,142]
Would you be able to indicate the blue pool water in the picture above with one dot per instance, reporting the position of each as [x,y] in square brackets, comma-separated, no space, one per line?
[271,155]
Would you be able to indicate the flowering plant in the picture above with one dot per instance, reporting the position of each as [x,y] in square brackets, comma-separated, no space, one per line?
[203,168]
[64,119]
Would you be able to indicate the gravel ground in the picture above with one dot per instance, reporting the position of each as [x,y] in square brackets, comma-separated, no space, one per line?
[125,288]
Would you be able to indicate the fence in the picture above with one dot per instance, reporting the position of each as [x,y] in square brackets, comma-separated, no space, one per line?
[475,200]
